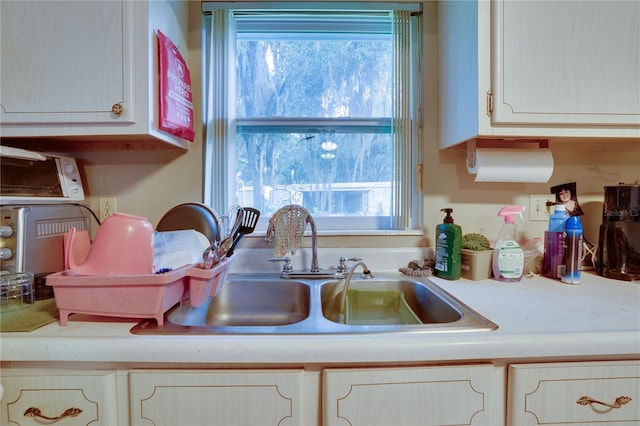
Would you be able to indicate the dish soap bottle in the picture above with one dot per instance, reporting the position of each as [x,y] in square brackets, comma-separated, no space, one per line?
[448,248]
[508,256]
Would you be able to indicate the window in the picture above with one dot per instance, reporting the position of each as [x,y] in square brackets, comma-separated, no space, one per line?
[318,105]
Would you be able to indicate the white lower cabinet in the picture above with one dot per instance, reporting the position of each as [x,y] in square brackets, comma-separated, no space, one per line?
[455,395]
[568,393]
[37,397]
[217,397]
[574,393]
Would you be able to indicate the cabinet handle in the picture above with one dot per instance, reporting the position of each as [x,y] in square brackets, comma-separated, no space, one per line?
[117,109]
[35,412]
[489,103]
[619,402]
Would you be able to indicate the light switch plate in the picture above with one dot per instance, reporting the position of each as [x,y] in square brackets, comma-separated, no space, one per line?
[540,206]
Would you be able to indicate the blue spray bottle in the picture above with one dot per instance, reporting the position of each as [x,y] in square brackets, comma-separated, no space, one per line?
[508,256]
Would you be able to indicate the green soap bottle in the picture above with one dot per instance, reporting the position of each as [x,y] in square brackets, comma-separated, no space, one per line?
[448,248]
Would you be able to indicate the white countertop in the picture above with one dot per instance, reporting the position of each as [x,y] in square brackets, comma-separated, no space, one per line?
[538,319]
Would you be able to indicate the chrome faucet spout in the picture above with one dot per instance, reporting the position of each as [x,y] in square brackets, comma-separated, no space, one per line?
[288,225]
[366,273]
[315,267]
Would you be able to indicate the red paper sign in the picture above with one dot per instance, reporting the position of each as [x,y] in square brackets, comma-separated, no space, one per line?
[176,101]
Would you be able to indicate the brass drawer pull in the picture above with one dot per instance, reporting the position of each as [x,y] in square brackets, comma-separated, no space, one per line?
[35,412]
[619,402]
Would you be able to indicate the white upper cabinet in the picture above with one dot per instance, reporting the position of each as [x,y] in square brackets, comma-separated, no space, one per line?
[85,69]
[567,62]
[531,69]
[68,62]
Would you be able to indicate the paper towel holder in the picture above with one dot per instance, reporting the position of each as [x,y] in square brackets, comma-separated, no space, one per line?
[473,144]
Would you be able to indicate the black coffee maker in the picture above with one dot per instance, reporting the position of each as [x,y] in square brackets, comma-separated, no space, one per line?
[619,244]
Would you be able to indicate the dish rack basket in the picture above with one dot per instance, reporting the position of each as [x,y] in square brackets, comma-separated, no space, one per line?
[135,296]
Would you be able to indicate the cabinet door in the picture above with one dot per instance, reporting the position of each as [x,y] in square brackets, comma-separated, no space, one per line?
[462,395]
[73,398]
[574,393]
[567,62]
[66,61]
[205,397]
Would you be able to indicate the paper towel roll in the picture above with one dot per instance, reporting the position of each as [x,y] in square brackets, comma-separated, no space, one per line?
[511,165]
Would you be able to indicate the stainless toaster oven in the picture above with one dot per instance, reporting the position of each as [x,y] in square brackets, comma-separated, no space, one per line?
[32,236]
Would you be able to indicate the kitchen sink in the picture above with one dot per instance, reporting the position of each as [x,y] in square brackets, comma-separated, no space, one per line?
[247,303]
[259,304]
[427,305]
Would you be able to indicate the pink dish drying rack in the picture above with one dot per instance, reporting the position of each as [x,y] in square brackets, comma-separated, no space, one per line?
[135,296]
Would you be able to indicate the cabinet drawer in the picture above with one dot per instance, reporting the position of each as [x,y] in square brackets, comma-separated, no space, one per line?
[443,395]
[74,398]
[574,393]
[223,397]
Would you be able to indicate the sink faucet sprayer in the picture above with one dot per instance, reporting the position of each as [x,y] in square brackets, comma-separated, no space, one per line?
[366,274]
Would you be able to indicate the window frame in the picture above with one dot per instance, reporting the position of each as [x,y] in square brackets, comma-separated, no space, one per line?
[410,218]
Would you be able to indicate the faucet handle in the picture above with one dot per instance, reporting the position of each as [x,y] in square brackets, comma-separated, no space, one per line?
[342,264]
[287,267]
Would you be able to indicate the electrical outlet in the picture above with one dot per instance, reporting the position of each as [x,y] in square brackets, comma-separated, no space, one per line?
[540,206]
[107,207]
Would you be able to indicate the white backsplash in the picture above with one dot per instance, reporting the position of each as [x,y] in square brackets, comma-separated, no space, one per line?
[377,259]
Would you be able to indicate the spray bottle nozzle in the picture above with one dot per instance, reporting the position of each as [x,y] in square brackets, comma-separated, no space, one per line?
[509,213]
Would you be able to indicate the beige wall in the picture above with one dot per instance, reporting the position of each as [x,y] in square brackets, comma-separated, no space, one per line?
[150,182]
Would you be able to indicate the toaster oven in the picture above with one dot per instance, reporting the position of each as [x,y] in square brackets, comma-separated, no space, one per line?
[29,177]
[32,236]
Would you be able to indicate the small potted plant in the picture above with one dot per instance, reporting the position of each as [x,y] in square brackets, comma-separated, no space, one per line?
[476,257]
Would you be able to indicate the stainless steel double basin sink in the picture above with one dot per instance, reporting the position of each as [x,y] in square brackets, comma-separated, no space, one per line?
[259,304]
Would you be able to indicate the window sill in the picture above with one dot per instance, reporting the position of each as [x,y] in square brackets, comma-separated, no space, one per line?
[352,238]
[369,233]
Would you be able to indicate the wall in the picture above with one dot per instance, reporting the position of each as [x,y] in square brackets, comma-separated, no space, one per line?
[591,165]
[149,183]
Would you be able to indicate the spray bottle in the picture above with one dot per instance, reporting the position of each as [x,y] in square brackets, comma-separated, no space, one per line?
[508,256]
[448,248]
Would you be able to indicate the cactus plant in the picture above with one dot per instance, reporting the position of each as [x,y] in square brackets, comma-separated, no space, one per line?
[475,242]
[476,257]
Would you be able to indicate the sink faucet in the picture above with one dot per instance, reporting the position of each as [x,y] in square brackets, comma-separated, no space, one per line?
[366,274]
[287,271]
[293,219]
[314,245]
